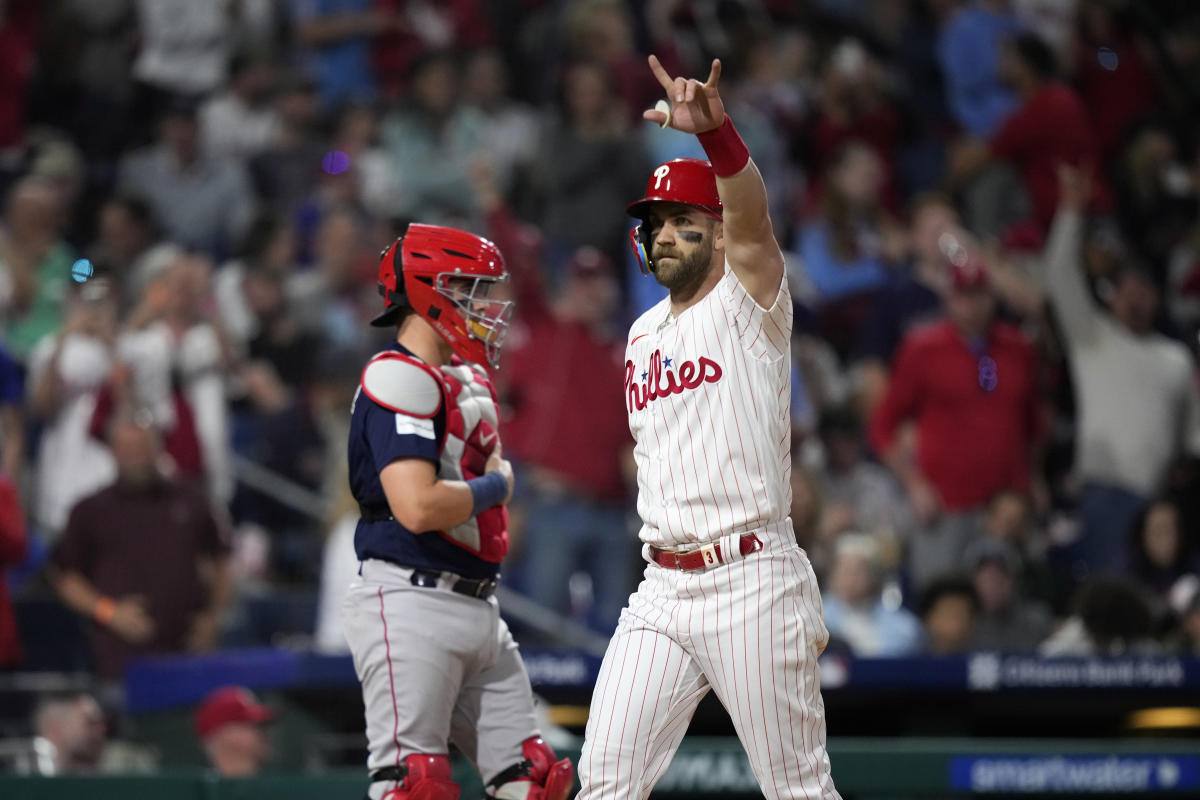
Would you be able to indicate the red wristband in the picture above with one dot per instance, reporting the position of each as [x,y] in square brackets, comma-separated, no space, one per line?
[726,150]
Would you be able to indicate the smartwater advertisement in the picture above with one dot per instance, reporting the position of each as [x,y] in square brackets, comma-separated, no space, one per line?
[1102,774]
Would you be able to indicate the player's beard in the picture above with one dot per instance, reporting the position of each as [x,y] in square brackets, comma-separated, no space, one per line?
[685,271]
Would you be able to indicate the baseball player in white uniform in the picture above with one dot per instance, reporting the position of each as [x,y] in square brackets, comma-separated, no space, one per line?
[729,601]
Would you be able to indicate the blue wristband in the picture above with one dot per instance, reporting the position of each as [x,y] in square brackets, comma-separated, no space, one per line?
[488,490]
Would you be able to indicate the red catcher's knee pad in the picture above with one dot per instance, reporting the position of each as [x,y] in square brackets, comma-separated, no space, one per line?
[428,778]
[544,778]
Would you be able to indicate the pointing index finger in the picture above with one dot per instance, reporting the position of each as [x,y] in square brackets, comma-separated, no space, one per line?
[661,74]
[714,74]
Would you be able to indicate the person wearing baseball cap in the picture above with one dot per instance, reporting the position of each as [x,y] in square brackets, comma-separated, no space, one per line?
[231,726]
[968,382]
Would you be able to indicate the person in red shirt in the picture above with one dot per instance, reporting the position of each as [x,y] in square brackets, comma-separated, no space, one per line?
[564,425]
[13,543]
[1050,126]
[968,383]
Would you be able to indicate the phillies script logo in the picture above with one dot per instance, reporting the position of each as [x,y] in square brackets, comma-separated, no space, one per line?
[660,380]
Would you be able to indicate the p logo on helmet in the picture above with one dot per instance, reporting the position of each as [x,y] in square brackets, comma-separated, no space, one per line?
[444,275]
[663,171]
[689,181]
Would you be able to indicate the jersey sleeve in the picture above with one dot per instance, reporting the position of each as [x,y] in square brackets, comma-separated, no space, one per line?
[765,332]
[392,435]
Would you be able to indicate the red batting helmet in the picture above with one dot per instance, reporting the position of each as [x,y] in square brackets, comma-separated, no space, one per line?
[689,181]
[444,275]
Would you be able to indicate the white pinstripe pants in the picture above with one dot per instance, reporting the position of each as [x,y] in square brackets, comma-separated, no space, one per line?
[750,630]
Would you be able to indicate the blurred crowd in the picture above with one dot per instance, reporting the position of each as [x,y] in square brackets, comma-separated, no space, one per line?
[990,210]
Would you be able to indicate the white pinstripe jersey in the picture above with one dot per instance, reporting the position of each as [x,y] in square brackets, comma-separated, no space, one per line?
[707,395]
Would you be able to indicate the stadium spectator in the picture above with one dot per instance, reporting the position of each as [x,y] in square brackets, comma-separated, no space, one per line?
[13,546]
[969,49]
[172,357]
[231,726]
[332,299]
[1160,555]
[512,126]
[1009,518]
[35,264]
[333,39]
[1189,625]
[806,513]
[853,109]
[240,122]
[591,163]
[771,100]
[375,178]
[969,385]
[847,249]
[74,726]
[285,174]
[419,28]
[13,419]
[67,371]
[184,48]
[855,610]
[18,43]
[571,456]
[274,429]
[85,85]
[267,250]
[949,610]
[1114,77]
[1156,196]
[1183,299]
[56,160]
[432,141]
[601,32]
[1110,618]
[1135,389]
[911,296]
[1006,622]
[144,559]
[1054,21]
[278,339]
[201,201]
[127,248]
[1048,127]
[857,493]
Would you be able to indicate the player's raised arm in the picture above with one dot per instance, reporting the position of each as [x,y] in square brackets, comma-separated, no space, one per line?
[750,245]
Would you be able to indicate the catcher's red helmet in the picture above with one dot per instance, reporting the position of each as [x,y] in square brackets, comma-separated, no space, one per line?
[444,275]
[682,180]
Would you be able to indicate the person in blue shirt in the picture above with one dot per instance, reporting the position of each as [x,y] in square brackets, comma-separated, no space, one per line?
[969,53]
[436,662]
[335,45]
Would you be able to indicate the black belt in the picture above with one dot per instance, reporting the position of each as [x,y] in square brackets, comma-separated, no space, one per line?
[374,513]
[396,773]
[481,588]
